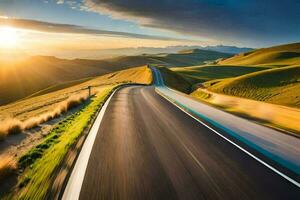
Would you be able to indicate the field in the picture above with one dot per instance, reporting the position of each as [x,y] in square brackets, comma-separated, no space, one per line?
[190,57]
[277,86]
[252,83]
[278,56]
[44,158]
[26,148]
[200,74]
[41,74]
[270,74]
[32,107]
[276,116]
[174,80]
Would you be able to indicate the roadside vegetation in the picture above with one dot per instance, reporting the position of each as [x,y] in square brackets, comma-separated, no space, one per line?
[35,106]
[277,86]
[7,166]
[175,80]
[14,126]
[36,165]
[276,116]
[40,162]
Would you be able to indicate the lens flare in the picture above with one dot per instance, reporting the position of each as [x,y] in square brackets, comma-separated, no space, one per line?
[8,37]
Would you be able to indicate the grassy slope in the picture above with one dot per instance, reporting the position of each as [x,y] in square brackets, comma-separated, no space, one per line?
[278,86]
[24,78]
[269,74]
[57,87]
[38,105]
[191,57]
[44,158]
[175,80]
[274,56]
[41,161]
[276,116]
[204,73]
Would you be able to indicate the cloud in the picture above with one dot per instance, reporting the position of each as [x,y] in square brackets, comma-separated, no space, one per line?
[74,29]
[60,2]
[253,20]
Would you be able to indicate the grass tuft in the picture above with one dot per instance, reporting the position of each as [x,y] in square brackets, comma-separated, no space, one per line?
[7,166]
[10,126]
[40,162]
[15,126]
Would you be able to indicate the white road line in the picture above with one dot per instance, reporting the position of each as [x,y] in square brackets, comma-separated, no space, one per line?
[228,140]
[73,188]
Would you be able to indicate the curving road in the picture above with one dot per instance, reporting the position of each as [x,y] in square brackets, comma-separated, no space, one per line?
[146,148]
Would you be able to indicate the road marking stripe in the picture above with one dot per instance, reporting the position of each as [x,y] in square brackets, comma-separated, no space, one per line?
[73,188]
[228,140]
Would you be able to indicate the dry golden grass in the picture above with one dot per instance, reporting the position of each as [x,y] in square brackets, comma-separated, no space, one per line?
[274,115]
[276,56]
[10,126]
[39,74]
[277,86]
[38,105]
[7,166]
[31,112]
[23,78]
[14,126]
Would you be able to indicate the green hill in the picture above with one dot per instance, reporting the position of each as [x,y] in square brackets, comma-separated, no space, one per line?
[276,56]
[197,56]
[200,74]
[175,80]
[278,86]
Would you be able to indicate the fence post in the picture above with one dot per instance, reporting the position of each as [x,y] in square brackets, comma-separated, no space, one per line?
[89,88]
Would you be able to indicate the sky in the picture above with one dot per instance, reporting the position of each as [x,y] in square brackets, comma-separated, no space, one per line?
[60,27]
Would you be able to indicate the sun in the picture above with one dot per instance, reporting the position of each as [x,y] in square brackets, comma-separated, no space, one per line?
[8,37]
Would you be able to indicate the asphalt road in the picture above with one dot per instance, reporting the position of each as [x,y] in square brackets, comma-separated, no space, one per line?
[146,148]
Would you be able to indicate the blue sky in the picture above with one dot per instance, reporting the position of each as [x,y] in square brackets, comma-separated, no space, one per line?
[253,23]
[51,11]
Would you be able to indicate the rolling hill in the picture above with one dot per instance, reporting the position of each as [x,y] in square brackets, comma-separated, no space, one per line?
[175,80]
[200,74]
[23,78]
[227,49]
[197,56]
[277,56]
[268,74]
[42,103]
[278,86]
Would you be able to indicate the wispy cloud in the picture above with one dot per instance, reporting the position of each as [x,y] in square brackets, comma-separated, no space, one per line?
[74,29]
[60,1]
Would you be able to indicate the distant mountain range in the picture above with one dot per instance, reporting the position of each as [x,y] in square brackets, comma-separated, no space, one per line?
[96,54]
[227,49]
